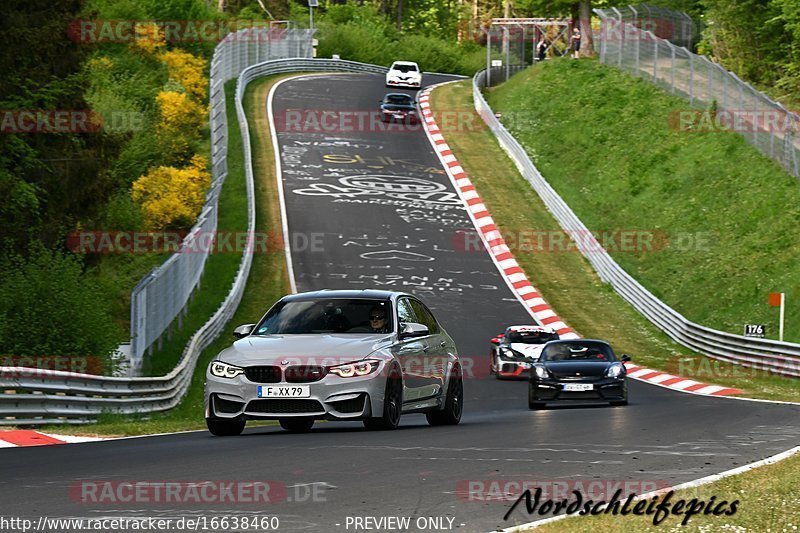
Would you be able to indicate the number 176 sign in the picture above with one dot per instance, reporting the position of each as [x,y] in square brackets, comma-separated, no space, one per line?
[754,330]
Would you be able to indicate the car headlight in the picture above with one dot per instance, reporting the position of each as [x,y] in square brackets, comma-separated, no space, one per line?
[351,370]
[224,370]
[541,372]
[614,371]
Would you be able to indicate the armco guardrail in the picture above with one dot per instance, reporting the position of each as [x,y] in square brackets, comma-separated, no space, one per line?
[29,396]
[765,354]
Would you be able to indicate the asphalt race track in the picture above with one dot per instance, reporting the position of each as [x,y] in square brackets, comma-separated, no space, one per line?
[371,207]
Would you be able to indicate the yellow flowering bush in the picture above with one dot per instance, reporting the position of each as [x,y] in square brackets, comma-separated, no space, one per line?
[149,38]
[101,63]
[188,70]
[171,198]
[178,113]
[180,121]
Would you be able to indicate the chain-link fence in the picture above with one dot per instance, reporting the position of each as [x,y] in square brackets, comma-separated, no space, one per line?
[718,99]
[675,26]
[513,44]
[159,300]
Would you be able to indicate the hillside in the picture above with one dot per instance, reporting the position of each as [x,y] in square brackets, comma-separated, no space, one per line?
[723,220]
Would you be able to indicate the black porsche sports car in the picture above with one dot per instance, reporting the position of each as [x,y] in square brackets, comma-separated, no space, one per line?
[399,107]
[578,369]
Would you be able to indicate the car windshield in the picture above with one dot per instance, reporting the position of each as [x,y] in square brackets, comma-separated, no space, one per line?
[531,337]
[578,351]
[404,67]
[398,99]
[328,315]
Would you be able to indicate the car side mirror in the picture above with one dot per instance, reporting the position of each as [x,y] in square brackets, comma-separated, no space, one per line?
[496,340]
[625,358]
[243,330]
[412,329]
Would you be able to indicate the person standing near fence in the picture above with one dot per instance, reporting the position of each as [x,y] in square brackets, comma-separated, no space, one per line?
[576,43]
[541,49]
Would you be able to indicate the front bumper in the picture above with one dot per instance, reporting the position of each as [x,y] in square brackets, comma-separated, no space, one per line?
[511,369]
[403,118]
[394,82]
[331,398]
[603,389]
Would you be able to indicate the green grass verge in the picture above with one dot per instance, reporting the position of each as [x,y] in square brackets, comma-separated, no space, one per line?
[268,279]
[609,144]
[768,501]
[566,279]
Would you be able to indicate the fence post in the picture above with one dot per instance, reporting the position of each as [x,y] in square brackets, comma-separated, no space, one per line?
[691,78]
[655,58]
[672,74]
[601,38]
[710,69]
[621,36]
[772,144]
[638,40]
[507,45]
[724,90]
[488,57]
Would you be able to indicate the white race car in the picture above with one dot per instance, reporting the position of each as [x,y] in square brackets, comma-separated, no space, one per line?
[404,74]
[515,351]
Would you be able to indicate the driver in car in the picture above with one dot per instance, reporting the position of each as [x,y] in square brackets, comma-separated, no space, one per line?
[377,320]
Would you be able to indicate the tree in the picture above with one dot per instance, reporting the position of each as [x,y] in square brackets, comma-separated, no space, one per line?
[587,39]
[76,319]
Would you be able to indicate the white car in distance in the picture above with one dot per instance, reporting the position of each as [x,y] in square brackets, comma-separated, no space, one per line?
[404,74]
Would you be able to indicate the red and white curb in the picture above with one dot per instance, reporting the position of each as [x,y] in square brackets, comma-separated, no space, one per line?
[513,273]
[483,222]
[25,437]
[669,381]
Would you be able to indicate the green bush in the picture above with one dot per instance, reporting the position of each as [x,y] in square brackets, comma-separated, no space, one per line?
[368,42]
[49,307]
[122,213]
[355,42]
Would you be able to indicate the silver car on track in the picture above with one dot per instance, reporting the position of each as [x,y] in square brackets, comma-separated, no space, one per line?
[336,355]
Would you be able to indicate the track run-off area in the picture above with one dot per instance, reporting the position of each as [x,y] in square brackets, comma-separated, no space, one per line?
[372,207]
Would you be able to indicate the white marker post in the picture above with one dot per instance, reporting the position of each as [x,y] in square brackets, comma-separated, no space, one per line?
[778,299]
